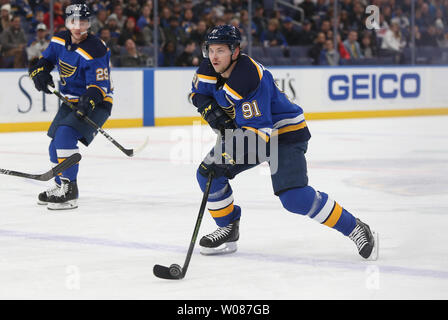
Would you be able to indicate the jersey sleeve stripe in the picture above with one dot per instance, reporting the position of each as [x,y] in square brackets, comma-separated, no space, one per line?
[84,54]
[207,79]
[99,88]
[289,121]
[292,128]
[232,92]
[58,40]
[260,73]
[260,133]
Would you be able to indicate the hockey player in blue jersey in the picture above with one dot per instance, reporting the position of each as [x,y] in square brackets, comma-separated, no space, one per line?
[235,93]
[82,61]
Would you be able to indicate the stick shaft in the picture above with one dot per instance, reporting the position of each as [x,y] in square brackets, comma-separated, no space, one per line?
[128,152]
[198,224]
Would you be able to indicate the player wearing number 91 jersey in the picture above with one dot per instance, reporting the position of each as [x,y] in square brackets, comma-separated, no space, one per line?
[234,93]
[83,63]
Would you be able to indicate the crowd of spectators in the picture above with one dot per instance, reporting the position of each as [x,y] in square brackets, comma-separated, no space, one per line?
[127,27]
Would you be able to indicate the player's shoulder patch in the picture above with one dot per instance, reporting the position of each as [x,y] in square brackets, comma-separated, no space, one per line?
[245,78]
[92,48]
[61,37]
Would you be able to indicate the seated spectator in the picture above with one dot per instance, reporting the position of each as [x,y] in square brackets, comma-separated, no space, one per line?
[198,35]
[188,24]
[13,43]
[99,21]
[174,32]
[328,55]
[167,57]
[314,52]
[368,48]
[290,32]
[132,9]
[306,35]
[37,19]
[39,44]
[148,35]
[110,42]
[58,17]
[112,25]
[352,45]
[343,53]
[133,57]
[260,21]
[272,36]
[119,15]
[145,18]
[393,43]
[309,8]
[130,31]
[188,58]
[443,43]
[5,17]
[429,38]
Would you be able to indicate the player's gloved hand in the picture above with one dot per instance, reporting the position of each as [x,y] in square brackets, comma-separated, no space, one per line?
[41,77]
[216,117]
[220,168]
[85,106]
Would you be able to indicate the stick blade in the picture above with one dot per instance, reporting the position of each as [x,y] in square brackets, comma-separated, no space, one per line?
[164,273]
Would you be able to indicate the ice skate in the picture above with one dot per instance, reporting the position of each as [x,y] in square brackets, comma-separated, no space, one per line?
[366,241]
[44,196]
[65,198]
[221,241]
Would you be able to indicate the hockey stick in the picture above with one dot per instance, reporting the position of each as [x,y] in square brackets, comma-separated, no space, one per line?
[176,272]
[61,167]
[128,152]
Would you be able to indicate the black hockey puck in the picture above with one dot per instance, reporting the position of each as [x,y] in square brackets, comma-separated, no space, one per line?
[176,271]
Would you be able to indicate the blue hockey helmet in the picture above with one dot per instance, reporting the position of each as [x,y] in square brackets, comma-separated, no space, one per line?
[77,12]
[224,34]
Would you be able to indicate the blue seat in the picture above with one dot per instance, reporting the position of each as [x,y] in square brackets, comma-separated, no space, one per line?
[274,52]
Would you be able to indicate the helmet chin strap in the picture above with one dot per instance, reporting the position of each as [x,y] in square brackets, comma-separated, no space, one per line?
[230,64]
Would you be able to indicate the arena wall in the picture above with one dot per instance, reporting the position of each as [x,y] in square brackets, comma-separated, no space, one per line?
[147,97]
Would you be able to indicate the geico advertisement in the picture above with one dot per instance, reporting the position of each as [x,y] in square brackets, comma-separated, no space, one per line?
[381,87]
[21,102]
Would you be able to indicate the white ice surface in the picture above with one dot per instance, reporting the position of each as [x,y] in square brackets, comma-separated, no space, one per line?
[136,212]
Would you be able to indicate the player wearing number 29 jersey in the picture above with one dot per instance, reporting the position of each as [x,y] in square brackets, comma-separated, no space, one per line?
[83,63]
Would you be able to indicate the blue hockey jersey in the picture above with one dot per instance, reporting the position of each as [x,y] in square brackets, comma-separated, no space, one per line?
[251,97]
[81,66]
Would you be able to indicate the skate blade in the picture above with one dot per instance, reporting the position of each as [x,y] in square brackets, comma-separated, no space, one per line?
[72,204]
[225,248]
[375,251]
[42,203]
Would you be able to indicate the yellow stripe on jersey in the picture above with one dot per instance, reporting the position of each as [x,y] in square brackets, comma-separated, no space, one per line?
[58,40]
[260,133]
[99,88]
[260,73]
[222,212]
[334,216]
[232,92]
[207,79]
[293,127]
[109,99]
[84,54]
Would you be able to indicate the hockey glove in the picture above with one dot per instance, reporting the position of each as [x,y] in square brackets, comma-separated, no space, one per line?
[85,106]
[216,117]
[40,74]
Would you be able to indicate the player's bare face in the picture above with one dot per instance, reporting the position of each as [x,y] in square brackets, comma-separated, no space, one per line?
[220,56]
[78,29]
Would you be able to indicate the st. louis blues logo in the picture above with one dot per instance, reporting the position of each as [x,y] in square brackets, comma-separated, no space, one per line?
[65,71]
